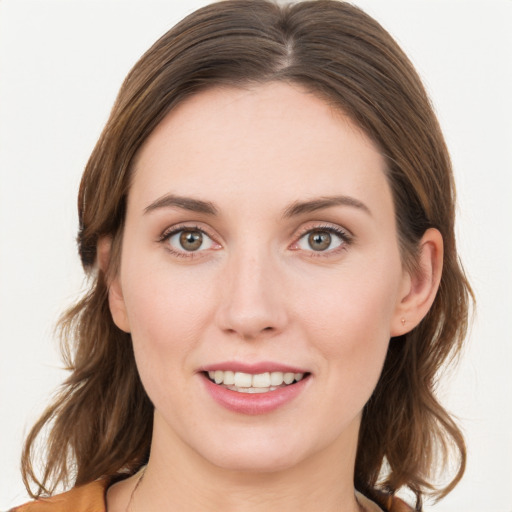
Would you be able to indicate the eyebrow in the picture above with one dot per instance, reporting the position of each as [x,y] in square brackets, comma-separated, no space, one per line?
[185,203]
[295,209]
[313,205]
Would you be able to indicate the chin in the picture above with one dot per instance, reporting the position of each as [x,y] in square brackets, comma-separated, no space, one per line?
[263,455]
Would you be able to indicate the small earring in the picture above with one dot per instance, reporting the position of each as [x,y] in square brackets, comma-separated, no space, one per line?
[403,321]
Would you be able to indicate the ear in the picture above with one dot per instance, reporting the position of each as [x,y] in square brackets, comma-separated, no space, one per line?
[420,286]
[115,292]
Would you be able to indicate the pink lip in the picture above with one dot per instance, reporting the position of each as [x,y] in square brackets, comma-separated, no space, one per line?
[254,368]
[253,403]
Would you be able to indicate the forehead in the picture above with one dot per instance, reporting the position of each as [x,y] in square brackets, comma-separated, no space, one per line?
[274,138]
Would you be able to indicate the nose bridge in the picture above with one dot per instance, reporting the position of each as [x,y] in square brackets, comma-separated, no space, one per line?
[251,301]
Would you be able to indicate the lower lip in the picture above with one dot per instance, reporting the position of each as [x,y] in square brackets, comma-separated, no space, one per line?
[254,403]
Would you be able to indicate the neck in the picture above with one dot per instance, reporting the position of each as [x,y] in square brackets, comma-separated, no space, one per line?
[177,478]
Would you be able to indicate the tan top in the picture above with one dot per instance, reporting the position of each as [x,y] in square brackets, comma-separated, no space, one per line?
[91,498]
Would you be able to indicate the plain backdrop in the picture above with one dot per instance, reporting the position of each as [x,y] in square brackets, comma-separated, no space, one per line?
[61,64]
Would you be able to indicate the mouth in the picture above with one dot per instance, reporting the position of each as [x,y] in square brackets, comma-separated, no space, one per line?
[254,388]
[265,382]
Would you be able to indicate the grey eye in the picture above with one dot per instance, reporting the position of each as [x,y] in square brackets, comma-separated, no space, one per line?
[320,240]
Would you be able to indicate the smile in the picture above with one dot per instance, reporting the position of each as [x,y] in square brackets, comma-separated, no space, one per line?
[253,389]
[242,382]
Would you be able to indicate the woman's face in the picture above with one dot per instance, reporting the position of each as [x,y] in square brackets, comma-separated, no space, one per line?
[260,240]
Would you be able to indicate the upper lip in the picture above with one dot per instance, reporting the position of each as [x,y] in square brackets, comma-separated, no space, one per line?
[253,368]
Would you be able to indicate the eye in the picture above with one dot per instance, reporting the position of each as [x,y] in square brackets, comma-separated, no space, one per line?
[324,239]
[183,240]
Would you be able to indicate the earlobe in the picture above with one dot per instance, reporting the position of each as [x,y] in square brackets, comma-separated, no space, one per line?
[420,287]
[115,292]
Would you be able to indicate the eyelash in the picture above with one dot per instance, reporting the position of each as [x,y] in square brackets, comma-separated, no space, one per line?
[169,233]
[345,237]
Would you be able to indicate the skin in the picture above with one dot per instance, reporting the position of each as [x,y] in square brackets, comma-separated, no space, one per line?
[258,292]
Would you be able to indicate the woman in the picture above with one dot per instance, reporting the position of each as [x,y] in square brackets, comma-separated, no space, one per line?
[268,220]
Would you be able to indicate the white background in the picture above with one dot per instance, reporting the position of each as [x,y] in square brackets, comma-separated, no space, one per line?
[61,64]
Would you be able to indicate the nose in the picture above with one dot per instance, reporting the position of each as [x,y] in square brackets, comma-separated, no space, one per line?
[253,301]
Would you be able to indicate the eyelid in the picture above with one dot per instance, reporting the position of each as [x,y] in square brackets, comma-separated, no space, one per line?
[326,226]
[344,234]
[170,231]
[182,226]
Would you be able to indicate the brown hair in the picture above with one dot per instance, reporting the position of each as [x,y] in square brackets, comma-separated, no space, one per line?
[100,423]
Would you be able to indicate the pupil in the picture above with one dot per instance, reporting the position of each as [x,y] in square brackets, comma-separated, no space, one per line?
[319,241]
[191,240]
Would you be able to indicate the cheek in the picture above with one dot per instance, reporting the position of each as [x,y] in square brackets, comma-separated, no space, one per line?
[167,312]
[349,321]
[160,296]
[353,345]
[167,319]
[359,310]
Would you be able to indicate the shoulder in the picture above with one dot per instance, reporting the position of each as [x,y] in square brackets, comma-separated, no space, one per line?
[86,498]
[397,505]
[392,503]
[382,502]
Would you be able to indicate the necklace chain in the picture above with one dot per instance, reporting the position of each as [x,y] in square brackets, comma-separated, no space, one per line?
[132,494]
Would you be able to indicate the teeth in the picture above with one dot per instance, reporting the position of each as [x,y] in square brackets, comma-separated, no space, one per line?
[261,380]
[243,380]
[254,383]
[288,378]
[229,378]
[276,378]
